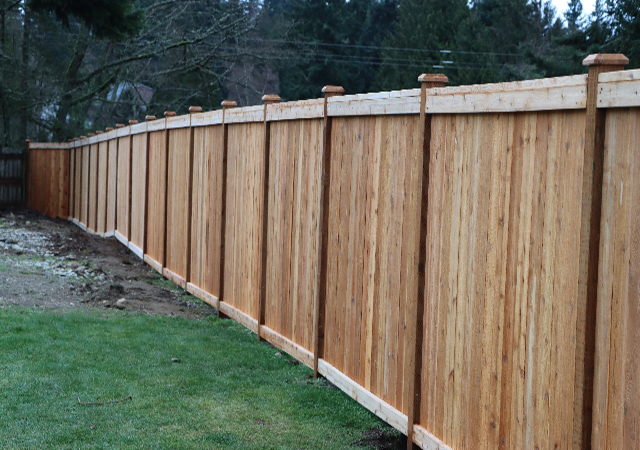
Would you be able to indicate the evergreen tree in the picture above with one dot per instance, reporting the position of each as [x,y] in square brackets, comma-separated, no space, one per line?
[625,22]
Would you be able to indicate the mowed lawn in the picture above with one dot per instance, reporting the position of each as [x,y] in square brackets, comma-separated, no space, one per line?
[226,391]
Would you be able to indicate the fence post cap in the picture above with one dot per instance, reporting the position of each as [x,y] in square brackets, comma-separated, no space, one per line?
[109,129]
[91,134]
[133,122]
[83,136]
[99,132]
[270,99]
[169,113]
[149,118]
[335,90]
[119,125]
[439,78]
[28,140]
[606,59]
[229,104]
[195,109]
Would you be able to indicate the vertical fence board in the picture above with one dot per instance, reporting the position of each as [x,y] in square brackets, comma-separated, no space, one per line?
[206,221]
[244,216]
[93,187]
[123,186]
[178,202]
[293,228]
[101,206]
[138,200]
[112,176]
[155,238]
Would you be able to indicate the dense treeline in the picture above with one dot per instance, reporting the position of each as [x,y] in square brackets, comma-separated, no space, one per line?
[71,66]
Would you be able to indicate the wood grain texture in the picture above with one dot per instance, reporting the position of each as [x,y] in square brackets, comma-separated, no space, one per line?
[364,313]
[243,233]
[206,218]
[156,196]
[179,171]
[293,228]
[616,412]
[123,186]
[112,192]
[102,182]
[92,210]
[138,200]
[505,199]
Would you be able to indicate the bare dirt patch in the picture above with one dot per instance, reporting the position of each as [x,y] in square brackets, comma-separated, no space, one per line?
[51,263]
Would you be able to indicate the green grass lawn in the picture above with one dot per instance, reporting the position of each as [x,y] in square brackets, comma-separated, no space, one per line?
[228,390]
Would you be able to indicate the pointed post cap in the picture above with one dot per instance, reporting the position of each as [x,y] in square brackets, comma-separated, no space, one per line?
[606,59]
[229,104]
[133,122]
[91,134]
[70,140]
[195,109]
[119,125]
[266,99]
[83,137]
[109,128]
[150,118]
[334,90]
[436,79]
[28,140]
[99,132]
[169,113]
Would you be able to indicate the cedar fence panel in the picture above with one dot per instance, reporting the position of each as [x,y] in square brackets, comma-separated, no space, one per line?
[206,219]
[462,261]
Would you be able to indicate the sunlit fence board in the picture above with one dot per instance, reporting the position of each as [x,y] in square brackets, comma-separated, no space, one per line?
[123,186]
[156,196]
[138,200]
[206,219]
[243,247]
[93,188]
[103,173]
[112,175]
[503,249]
[293,228]
[616,411]
[179,171]
[364,335]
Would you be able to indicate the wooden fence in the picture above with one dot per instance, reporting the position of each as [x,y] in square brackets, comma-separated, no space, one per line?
[11,179]
[462,261]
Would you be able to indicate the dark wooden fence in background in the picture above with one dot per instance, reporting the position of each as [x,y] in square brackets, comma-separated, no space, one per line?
[11,179]
[464,261]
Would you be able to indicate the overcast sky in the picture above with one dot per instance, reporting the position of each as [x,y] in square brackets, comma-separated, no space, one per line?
[561,7]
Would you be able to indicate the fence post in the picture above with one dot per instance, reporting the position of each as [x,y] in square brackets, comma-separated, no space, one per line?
[319,306]
[226,104]
[187,275]
[267,100]
[167,114]
[591,310]
[415,310]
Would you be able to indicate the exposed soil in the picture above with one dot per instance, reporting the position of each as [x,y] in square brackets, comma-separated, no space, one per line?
[51,263]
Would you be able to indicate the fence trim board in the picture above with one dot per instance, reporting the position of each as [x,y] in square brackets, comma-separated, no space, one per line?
[619,89]
[426,440]
[374,107]
[300,110]
[203,295]
[374,404]
[123,240]
[183,121]
[136,250]
[240,317]
[207,118]
[172,276]
[244,115]
[49,146]
[287,345]
[153,263]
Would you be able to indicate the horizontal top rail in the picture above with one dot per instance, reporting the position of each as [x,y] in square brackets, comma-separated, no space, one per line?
[532,95]
[616,90]
[619,89]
